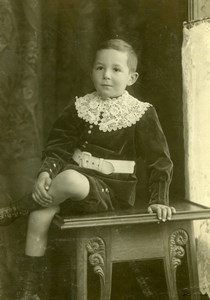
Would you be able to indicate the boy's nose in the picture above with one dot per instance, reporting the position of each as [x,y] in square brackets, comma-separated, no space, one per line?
[107,74]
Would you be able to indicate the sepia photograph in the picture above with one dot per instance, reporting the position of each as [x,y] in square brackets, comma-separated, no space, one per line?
[104,150]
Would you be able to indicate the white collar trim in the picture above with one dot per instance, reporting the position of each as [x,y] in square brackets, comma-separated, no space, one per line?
[112,113]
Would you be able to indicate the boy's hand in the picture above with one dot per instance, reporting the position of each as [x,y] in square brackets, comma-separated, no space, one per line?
[163,212]
[40,193]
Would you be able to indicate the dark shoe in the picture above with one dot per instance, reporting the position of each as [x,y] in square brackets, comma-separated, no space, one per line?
[9,214]
[29,297]
[29,291]
[17,209]
[32,279]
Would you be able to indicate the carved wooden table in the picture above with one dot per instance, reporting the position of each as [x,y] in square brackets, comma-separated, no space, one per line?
[107,238]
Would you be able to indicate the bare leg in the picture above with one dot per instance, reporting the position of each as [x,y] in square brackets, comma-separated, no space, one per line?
[34,262]
[38,226]
[69,184]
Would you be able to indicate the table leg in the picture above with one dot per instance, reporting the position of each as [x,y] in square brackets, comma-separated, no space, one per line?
[99,258]
[179,240]
[174,252]
[192,264]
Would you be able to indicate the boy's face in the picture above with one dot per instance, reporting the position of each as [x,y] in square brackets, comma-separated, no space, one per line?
[111,74]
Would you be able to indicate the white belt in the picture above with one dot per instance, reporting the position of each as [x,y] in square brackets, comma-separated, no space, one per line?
[105,166]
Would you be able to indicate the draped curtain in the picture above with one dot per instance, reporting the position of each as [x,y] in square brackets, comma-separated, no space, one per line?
[196,87]
[20,115]
[45,51]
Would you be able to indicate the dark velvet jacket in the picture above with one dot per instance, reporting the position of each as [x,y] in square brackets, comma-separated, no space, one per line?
[144,139]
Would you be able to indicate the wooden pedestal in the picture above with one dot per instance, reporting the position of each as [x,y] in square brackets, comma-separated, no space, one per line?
[103,239]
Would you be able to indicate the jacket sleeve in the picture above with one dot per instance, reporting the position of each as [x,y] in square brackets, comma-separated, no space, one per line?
[62,142]
[153,148]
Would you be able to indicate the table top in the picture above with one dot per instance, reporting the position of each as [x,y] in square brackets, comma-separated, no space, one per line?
[185,210]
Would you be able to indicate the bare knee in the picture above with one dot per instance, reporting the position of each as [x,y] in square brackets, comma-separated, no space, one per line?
[71,178]
[71,184]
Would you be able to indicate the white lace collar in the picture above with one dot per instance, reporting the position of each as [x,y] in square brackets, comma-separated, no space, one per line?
[112,113]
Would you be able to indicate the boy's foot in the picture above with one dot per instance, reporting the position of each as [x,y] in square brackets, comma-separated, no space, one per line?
[9,214]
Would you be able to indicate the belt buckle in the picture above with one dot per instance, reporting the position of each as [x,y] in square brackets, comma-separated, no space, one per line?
[85,159]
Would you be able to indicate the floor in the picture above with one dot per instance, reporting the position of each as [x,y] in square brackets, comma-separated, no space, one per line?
[131,281]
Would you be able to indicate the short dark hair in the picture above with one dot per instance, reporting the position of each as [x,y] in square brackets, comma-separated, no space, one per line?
[121,45]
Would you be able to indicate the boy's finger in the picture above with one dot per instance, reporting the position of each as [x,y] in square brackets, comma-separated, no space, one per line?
[44,194]
[47,196]
[40,200]
[41,195]
[150,211]
[169,213]
[173,210]
[48,182]
[164,214]
[45,200]
[42,203]
[37,199]
[159,213]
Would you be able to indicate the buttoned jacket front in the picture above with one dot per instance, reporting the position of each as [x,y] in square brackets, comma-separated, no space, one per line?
[139,136]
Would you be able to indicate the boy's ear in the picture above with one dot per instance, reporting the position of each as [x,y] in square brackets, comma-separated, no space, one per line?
[133,77]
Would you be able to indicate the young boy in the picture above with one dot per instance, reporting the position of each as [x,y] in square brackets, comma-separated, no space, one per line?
[89,160]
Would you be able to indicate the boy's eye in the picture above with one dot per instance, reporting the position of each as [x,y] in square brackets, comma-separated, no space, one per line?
[99,68]
[116,69]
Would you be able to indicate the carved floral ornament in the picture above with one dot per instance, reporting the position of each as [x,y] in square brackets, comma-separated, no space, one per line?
[178,240]
[96,251]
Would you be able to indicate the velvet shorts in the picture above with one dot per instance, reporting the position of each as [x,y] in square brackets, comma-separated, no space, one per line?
[100,198]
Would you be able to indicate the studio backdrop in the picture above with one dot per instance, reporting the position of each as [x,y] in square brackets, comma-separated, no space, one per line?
[45,58]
